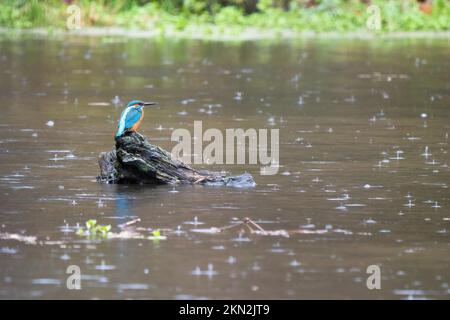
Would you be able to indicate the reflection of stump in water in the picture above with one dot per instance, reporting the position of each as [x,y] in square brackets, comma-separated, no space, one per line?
[135,160]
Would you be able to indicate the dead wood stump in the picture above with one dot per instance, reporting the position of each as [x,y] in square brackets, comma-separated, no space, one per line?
[135,160]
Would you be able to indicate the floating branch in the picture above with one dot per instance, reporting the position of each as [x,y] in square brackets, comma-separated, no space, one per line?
[251,225]
[255,228]
[18,237]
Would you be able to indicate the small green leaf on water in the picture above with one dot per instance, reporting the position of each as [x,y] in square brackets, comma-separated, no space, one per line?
[104,229]
[80,232]
[90,224]
[156,236]
[156,233]
[93,229]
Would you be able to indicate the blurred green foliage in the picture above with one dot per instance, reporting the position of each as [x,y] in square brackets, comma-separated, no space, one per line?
[296,15]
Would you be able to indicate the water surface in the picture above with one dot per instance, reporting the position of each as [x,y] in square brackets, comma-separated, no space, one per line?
[363,168]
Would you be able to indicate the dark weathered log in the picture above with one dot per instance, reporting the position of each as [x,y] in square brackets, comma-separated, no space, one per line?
[107,163]
[135,160]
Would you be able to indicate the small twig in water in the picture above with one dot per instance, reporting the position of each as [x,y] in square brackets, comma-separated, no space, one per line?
[253,223]
[129,223]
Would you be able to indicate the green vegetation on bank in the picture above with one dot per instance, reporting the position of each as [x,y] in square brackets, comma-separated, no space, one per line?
[230,16]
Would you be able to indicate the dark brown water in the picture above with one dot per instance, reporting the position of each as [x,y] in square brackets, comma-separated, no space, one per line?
[355,118]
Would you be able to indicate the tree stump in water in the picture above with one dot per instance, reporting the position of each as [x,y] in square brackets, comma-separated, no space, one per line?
[135,160]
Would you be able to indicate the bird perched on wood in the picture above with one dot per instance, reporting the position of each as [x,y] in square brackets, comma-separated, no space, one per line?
[132,116]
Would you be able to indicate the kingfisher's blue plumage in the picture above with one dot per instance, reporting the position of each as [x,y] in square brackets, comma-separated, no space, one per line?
[132,116]
[134,102]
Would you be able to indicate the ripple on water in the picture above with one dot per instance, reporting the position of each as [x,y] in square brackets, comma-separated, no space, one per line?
[132,286]
[241,238]
[105,267]
[210,272]
[414,294]
[22,187]
[95,278]
[295,263]
[8,250]
[194,222]
[190,297]
[46,281]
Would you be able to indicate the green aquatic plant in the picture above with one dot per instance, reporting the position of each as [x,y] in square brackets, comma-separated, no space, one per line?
[156,235]
[95,230]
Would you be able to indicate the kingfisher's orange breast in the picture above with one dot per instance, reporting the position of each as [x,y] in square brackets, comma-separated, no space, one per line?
[136,125]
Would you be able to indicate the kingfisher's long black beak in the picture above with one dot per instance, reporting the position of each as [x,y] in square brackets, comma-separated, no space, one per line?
[149,103]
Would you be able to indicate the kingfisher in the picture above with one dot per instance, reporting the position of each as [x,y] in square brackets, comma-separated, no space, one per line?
[132,116]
